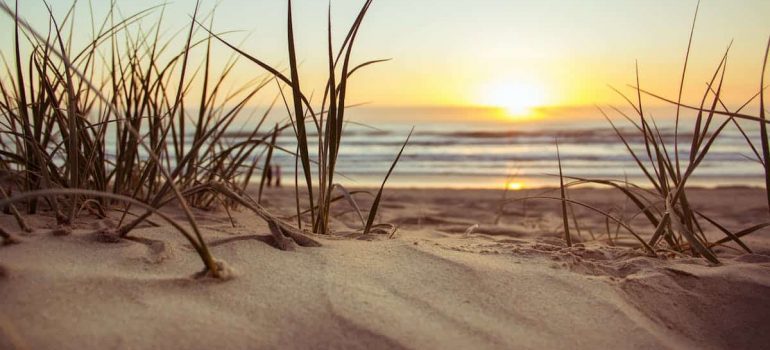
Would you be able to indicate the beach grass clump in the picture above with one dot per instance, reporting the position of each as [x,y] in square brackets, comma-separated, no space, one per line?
[323,126]
[663,201]
[132,121]
[106,127]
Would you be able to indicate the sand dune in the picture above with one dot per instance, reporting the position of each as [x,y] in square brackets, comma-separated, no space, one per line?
[507,285]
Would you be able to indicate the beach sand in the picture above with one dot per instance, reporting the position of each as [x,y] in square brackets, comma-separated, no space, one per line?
[509,283]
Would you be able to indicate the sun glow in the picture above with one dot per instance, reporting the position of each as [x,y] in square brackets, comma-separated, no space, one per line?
[517,98]
[515,186]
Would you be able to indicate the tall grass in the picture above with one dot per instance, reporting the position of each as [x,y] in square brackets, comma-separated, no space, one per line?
[61,104]
[664,202]
[110,124]
[328,120]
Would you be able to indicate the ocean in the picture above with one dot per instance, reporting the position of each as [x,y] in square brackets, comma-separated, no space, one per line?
[472,148]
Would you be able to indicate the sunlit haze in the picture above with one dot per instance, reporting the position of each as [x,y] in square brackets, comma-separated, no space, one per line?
[515,55]
[380,174]
[488,84]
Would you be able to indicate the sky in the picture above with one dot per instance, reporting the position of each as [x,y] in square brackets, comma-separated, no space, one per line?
[514,54]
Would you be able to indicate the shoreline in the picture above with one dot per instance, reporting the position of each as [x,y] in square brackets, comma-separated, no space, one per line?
[399,181]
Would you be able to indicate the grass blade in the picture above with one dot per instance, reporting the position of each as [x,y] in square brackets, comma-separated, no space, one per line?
[376,202]
[563,193]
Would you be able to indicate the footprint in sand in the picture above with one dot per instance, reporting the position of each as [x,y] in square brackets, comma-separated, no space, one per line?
[157,250]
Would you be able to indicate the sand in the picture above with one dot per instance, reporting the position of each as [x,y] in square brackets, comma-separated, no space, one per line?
[510,284]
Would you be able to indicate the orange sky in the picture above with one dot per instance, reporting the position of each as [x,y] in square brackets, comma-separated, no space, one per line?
[508,53]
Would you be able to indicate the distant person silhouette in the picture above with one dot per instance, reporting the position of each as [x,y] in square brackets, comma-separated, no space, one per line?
[269,175]
[277,176]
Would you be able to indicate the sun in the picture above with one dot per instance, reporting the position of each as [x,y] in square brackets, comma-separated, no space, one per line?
[517,98]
